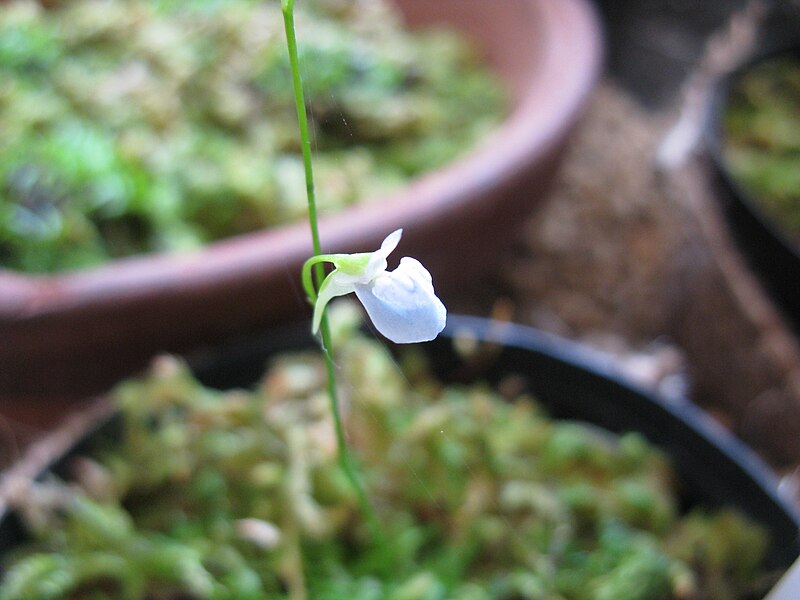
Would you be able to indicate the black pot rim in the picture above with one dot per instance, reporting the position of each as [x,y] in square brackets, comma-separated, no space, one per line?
[598,368]
[715,136]
[769,248]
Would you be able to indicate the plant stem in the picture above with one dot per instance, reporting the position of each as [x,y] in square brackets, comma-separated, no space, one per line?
[345,459]
[305,139]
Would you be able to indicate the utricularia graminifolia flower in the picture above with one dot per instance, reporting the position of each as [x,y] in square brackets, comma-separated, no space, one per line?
[401,303]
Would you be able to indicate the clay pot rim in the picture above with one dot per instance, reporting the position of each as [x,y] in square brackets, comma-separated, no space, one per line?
[571,60]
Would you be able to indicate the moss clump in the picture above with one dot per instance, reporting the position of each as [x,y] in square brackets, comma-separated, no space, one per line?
[133,126]
[209,494]
[762,139]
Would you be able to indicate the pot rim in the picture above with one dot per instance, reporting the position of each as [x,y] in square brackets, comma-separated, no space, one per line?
[596,366]
[715,137]
[768,248]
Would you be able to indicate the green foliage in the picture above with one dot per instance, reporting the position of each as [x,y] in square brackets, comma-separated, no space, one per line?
[132,126]
[762,128]
[239,495]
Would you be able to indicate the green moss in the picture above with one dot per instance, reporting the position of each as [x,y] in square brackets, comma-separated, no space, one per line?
[134,126]
[762,139]
[240,495]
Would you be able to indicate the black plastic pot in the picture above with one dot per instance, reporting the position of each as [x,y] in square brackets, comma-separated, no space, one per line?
[571,382]
[770,252]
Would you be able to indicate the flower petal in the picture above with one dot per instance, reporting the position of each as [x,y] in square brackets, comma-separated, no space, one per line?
[403,305]
[377,262]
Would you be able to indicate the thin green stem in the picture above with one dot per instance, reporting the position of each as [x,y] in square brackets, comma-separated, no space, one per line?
[305,138]
[345,459]
[312,262]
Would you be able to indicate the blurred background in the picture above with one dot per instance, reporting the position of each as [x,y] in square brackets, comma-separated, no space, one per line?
[668,292]
[630,253]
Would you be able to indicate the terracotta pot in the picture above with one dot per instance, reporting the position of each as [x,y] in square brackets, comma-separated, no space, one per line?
[569,380]
[74,333]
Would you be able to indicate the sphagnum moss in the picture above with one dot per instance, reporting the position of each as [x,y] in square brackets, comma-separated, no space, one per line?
[239,494]
[136,126]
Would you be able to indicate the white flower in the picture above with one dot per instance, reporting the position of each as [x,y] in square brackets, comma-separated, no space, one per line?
[401,303]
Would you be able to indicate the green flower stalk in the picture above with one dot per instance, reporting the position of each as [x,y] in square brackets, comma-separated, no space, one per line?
[345,459]
[401,303]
